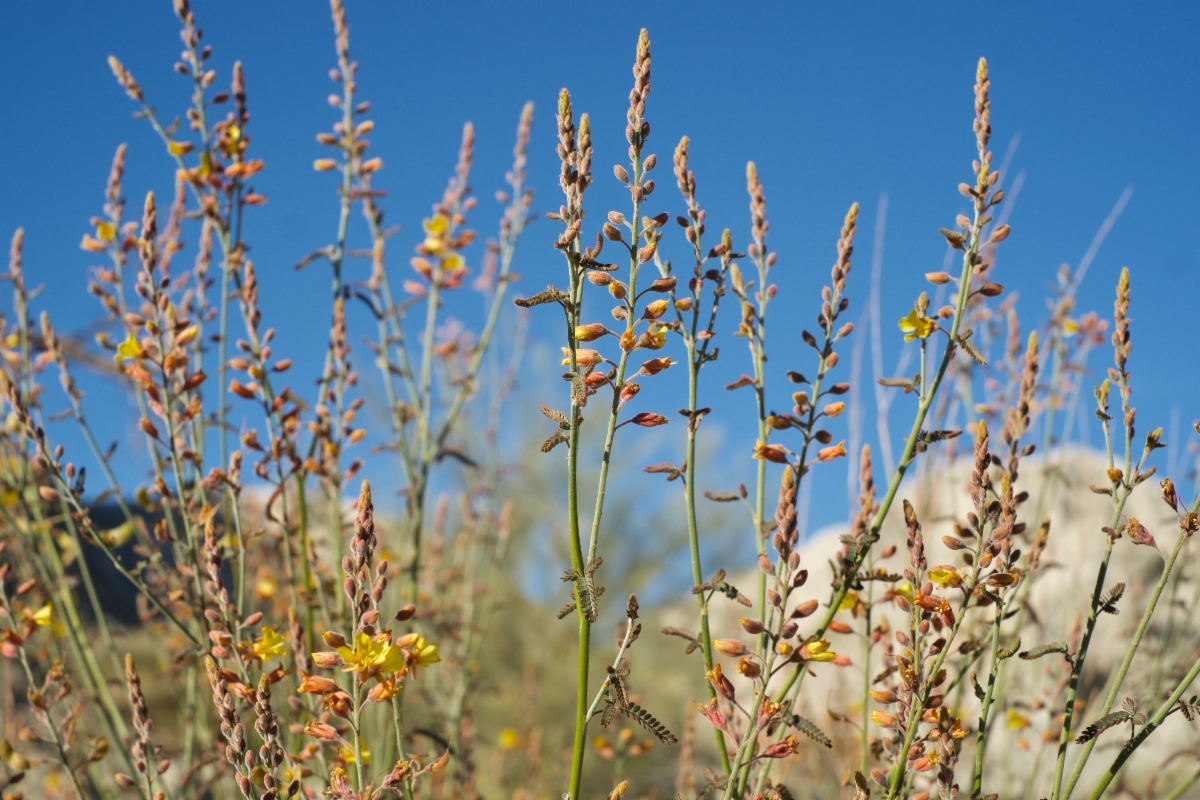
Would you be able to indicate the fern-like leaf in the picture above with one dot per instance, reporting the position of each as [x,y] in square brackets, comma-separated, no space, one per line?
[810,730]
[1108,603]
[644,718]
[1045,650]
[557,416]
[693,642]
[975,355]
[554,441]
[1101,725]
[551,295]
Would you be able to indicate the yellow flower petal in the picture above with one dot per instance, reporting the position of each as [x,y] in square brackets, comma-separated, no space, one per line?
[128,349]
[44,616]
[270,646]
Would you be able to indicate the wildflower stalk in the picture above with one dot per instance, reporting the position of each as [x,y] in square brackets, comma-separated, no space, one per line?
[1121,484]
[971,243]
[1142,627]
[574,151]
[807,413]
[1187,783]
[696,339]
[44,711]
[786,576]
[575,154]
[1169,705]
[755,319]
[1016,425]
[979,486]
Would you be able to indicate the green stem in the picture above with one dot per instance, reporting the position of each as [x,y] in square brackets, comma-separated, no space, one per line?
[1129,654]
[694,536]
[985,709]
[1179,790]
[1149,728]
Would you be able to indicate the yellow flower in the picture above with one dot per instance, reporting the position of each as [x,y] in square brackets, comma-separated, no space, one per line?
[105,231]
[119,535]
[423,653]
[917,326]
[348,756]
[435,229]
[266,588]
[128,349]
[905,590]
[509,739]
[656,338]
[1016,721]
[269,647]
[819,651]
[44,616]
[945,576]
[370,653]
[849,602]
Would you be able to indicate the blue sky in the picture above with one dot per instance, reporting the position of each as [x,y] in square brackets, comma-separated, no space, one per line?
[835,102]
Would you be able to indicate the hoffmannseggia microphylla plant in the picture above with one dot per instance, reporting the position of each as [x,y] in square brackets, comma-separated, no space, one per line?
[356,654]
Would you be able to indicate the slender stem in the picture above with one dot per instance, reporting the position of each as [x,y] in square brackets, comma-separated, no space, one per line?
[1149,728]
[908,455]
[1129,654]
[577,563]
[922,700]
[1186,784]
[694,534]
[985,708]
[1121,492]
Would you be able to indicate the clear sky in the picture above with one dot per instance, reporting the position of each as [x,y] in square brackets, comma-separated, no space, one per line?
[836,102]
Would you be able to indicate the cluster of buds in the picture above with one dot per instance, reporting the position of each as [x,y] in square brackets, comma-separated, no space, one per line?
[285,407]
[697,335]
[911,684]
[439,260]
[370,652]
[348,133]
[808,412]
[968,235]
[1122,346]
[237,753]
[939,754]
[333,426]
[221,169]
[271,753]
[780,632]
[162,336]
[575,171]
[225,627]
[752,319]
[142,748]
[1017,422]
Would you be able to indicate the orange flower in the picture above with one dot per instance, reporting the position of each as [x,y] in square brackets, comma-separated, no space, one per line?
[830,453]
